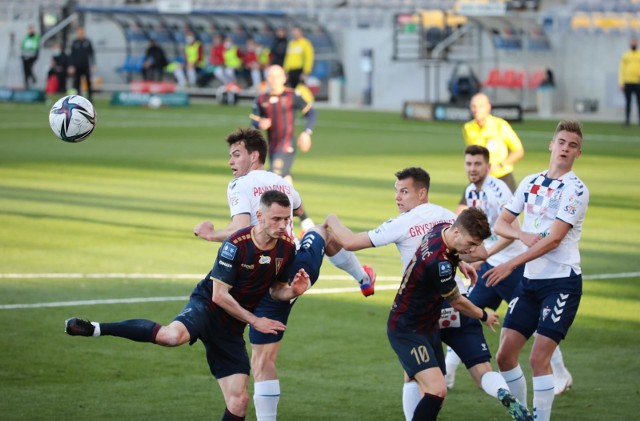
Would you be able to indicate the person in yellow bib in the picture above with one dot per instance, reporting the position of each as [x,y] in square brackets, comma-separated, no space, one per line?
[495,134]
[629,78]
[298,62]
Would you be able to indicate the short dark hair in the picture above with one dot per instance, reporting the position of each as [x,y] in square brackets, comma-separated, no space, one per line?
[253,141]
[270,197]
[474,150]
[569,126]
[473,221]
[420,177]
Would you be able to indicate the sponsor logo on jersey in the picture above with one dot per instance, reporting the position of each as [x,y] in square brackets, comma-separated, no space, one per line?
[279,261]
[265,260]
[248,267]
[571,210]
[423,229]
[228,251]
[444,269]
[225,264]
[259,190]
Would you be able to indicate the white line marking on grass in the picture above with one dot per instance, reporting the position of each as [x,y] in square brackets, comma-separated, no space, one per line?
[315,291]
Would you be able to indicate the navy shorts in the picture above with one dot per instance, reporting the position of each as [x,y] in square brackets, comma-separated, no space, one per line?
[490,297]
[546,305]
[281,163]
[309,257]
[416,351]
[467,340]
[226,352]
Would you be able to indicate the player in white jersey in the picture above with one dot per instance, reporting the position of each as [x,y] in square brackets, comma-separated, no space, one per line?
[247,155]
[491,194]
[417,218]
[554,203]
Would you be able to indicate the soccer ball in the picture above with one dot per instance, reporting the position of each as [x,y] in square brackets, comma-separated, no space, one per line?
[155,102]
[72,118]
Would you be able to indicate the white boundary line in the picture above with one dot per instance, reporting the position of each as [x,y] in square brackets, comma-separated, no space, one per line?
[315,291]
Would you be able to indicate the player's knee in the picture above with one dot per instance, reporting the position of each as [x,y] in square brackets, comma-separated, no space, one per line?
[172,335]
[539,363]
[238,403]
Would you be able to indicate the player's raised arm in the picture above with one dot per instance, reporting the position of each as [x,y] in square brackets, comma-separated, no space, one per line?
[345,237]
[206,230]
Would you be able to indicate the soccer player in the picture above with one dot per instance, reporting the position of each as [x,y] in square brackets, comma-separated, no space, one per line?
[250,263]
[491,194]
[413,323]
[554,203]
[247,152]
[274,111]
[417,218]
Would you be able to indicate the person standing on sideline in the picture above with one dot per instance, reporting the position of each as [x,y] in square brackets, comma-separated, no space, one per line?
[413,323]
[495,134]
[58,69]
[247,152]
[490,195]
[417,218]
[629,78]
[29,50]
[224,302]
[279,47]
[298,61]
[82,62]
[546,301]
[274,111]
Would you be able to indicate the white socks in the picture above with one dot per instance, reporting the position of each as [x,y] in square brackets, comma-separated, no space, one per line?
[96,328]
[266,395]
[452,361]
[517,384]
[347,261]
[542,397]
[557,363]
[491,382]
[410,398]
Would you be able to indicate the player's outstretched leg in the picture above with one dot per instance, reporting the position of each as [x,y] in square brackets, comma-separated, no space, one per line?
[452,361]
[139,330]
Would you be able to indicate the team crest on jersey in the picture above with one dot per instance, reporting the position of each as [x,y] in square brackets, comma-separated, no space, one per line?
[228,251]
[265,260]
[444,269]
[545,313]
[278,264]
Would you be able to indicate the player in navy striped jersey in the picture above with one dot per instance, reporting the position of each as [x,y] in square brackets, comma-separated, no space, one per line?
[275,112]
[250,263]
[247,151]
[413,323]
[417,218]
[491,194]
[554,203]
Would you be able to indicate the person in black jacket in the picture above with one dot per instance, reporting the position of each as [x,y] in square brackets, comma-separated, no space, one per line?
[155,61]
[81,62]
[59,64]
[279,47]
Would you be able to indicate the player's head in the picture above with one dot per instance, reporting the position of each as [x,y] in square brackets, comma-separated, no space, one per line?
[412,188]
[297,32]
[469,230]
[566,145]
[633,43]
[276,77]
[274,213]
[480,107]
[247,151]
[476,163]
[80,33]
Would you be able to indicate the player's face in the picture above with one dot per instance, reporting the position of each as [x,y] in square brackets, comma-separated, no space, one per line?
[476,168]
[565,148]
[480,108]
[464,243]
[240,160]
[408,196]
[276,219]
[276,78]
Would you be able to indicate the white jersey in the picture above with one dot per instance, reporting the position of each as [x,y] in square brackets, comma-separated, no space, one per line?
[544,200]
[243,193]
[491,198]
[407,229]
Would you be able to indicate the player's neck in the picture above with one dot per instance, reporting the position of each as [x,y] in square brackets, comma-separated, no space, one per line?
[261,239]
[278,90]
[445,232]
[556,171]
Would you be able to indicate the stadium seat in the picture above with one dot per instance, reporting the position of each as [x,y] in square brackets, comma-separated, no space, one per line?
[535,78]
[581,22]
[321,70]
[513,79]
[131,64]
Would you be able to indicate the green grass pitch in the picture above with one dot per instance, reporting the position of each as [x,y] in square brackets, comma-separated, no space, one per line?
[125,201]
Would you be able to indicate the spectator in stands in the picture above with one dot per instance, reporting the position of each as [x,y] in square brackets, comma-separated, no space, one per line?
[251,64]
[629,78]
[495,134]
[298,62]
[29,50]
[279,47]
[155,60]
[194,61]
[216,59]
[58,69]
[232,60]
[82,62]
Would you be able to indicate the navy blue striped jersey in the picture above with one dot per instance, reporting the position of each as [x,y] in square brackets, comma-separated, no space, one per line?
[428,279]
[247,271]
